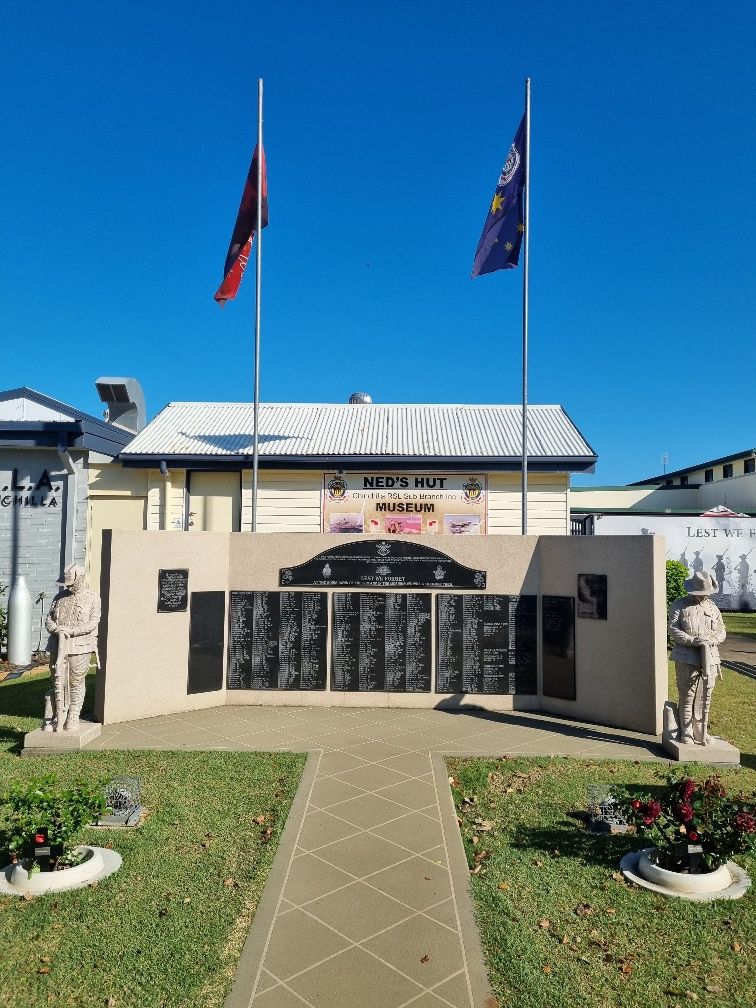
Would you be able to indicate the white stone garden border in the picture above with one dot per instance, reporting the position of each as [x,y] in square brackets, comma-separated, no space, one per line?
[101,862]
[740,880]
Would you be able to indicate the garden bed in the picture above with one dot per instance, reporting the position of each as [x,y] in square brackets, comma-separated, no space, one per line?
[168,928]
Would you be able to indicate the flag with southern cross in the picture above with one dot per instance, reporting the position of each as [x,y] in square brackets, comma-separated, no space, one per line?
[499,245]
[244,232]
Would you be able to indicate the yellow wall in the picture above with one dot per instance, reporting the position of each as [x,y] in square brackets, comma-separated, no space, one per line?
[548,504]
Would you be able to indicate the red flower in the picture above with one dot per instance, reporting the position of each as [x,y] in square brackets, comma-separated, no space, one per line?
[651,810]
[685,812]
[745,823]
[635,803]
[692,835]
[687,788]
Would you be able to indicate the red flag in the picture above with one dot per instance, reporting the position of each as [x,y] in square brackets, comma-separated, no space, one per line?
[244,232]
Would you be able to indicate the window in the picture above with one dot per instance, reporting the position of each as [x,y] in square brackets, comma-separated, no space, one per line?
[708,475]
[749,465]
[727,471]
[683,481]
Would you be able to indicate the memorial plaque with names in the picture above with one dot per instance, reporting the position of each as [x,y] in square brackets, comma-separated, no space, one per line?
[381,642]
[558,637]
[173,590]
[486,644]
[207,619]
[383,563]
[277,640]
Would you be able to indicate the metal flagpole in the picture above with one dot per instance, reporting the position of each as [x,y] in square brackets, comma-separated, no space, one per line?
[526,240]
[258,273]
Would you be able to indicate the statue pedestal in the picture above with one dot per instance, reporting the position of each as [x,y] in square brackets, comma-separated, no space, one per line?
[717,752]
[48,743]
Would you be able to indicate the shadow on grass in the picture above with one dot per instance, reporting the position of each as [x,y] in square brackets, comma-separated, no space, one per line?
[600,849]
[25,698]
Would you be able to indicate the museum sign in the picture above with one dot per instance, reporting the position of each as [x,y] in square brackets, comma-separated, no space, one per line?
[405,503]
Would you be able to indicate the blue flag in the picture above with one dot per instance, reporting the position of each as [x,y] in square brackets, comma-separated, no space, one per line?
[499,245]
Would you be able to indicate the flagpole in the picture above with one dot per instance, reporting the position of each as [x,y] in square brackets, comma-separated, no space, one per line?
[526,242]
[258,275]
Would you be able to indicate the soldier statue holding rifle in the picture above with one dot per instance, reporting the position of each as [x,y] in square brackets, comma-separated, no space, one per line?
[696,628]
[73,620]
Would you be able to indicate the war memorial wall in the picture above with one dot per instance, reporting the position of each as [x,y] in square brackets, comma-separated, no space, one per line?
[569,625]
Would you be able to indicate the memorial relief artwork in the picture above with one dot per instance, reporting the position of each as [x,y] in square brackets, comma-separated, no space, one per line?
[696,628]
[72,624]
[382,563]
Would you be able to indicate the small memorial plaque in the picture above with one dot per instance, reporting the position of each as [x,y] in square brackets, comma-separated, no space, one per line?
[381,642]
[277,640]
[383,563]
[173,590]
[591,595]
[486,644]
[558,637]
[207,618]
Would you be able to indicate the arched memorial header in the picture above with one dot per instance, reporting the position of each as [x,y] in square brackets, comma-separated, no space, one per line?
[382,563]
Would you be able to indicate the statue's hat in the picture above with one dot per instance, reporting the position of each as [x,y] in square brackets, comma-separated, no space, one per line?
[702,583]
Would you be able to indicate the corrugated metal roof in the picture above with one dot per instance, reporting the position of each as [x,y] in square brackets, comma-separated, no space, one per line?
[378,430]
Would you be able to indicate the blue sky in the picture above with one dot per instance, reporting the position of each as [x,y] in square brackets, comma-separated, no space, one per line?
[128,132]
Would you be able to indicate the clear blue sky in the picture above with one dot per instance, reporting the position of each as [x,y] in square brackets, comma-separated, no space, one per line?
[128,131]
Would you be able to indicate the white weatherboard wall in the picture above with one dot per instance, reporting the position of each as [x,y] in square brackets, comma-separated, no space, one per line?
[621,663]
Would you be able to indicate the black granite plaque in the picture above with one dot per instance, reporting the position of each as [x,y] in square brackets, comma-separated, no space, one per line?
[277,640]
[558,638]
[383,563]
[486,644]
[173,590]
[207,618]
[591,596]
[381,642]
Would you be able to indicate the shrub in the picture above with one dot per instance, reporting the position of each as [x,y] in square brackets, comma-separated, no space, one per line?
[677,573]
[688,812]
[26,807]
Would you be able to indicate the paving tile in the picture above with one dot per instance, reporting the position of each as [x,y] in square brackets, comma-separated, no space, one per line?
[438,855]
[378,730]
[374,751]
[412,764]
[367,811]
[416,882]
[298,942]
[444,913]
[358,911]
[280,997]
[372,777]
[310,878]
[337,762]
[321,828]
[265,982]
[330,790]
[414,794]
[417,832]
[407,944]
[455,990]
[363,854]
[354,979]
[427,1000]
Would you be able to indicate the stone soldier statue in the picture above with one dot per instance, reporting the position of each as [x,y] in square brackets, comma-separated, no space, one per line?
[73,620]
[696,627]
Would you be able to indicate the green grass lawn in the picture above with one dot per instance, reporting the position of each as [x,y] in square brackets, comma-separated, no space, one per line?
[559,925]
[167,929]
[740,623]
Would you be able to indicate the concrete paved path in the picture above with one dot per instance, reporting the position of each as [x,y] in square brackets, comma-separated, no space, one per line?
[367,903]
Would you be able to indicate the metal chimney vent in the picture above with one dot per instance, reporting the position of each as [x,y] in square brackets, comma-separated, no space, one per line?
[124,400]
[359,398]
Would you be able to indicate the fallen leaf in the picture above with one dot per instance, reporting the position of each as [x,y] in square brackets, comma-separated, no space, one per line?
[45,959]
[476,869]
[626,968]
[545,923]
[484,825]
[736,947]
[475,840]
[583,910]
[43,969]
[93,885]
[565,939]
[691,995]
[425,958]
[618,876]
[427,878]
[611,911]
[713,989]
[187,899]
[538,864]
[547,969]
[504,886]
[110,1003]
[482,855]
[260,819]
[229,882]
[491,1002]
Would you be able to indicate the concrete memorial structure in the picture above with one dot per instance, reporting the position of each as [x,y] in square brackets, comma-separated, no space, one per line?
[313,619]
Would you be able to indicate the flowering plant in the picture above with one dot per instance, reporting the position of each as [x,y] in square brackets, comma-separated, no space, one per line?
[690,817]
